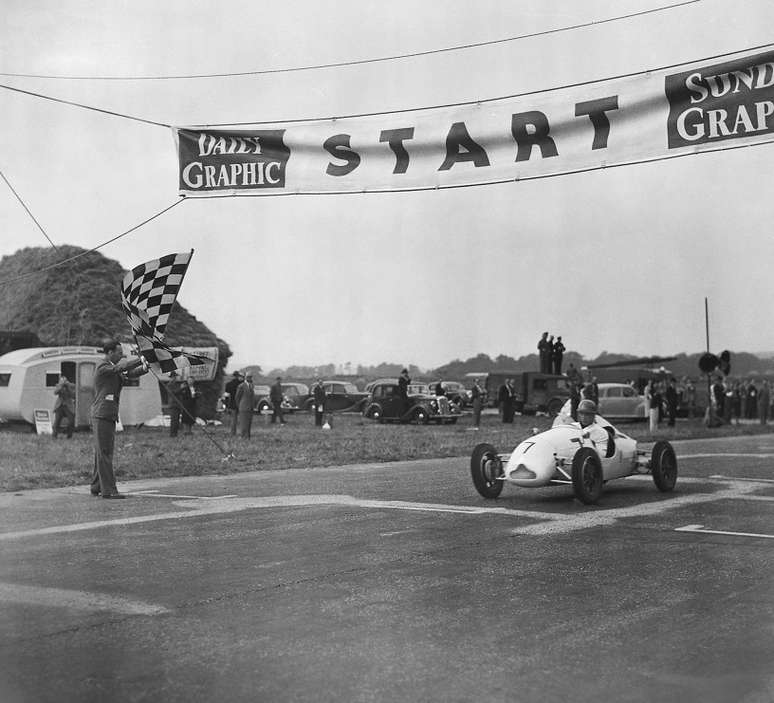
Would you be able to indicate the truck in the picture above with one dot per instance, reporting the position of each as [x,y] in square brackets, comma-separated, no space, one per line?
[535,392]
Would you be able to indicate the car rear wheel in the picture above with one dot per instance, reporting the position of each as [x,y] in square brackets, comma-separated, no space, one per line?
[663,466]
[587,475]
[486,468]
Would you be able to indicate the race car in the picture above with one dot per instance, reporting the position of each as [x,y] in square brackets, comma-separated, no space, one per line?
[566,455]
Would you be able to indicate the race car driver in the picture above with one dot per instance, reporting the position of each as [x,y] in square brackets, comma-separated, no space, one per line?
[598,431]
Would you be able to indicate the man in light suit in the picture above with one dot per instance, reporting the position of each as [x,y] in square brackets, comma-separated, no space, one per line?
[245,401]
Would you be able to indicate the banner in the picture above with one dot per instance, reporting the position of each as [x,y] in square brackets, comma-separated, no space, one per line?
[649,116]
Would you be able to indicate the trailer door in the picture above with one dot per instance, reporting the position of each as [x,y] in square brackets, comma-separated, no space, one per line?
[84,392]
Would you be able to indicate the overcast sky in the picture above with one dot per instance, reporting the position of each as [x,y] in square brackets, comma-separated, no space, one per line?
[618,260]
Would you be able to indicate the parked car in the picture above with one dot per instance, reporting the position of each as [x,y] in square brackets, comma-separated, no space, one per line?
[621,401]
[294,397]
[341,396]
[455,391]
[385,405]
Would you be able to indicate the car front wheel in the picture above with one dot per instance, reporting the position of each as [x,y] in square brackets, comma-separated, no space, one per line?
[587,475]
[421,416]
[486,470]
[663,466]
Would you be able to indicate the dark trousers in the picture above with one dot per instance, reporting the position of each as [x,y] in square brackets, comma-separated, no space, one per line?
[277,412]
[174,420]
[102,478]
[234,416]
[245,423]
[59,413]
[476,412]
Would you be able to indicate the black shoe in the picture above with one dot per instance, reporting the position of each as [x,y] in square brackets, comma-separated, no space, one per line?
[114,495]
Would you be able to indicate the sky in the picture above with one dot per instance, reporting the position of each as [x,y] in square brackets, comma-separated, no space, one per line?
[618,260]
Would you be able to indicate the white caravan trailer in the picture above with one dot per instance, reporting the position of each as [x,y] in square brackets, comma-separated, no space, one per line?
[28,378]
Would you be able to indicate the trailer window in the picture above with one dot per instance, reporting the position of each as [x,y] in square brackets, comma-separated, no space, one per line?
[51,379]
[5,379]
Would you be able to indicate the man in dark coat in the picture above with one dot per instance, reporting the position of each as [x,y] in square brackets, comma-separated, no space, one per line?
[403,384]
[671,402]
[544,352]
[276,396]
[231,389]
[64,406]
[557,353]
[318,397]
[109,377]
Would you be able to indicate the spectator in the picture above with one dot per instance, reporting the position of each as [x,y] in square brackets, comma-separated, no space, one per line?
[671,402]
[244,399]
[403,384]
[64,406]
[231,389]
[719,397]
[544,353]
[728,399]
[591,391]
[318,399]
[751,411]
[505,400]
[109,377]
[190,398]
[764,398]
[573,374]
[690,397]
[575,398]
[276,397]
[177,389]
[653,400]
[477,396]
[557,353]
[439,391]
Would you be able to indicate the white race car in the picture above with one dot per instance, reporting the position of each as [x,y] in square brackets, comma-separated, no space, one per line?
[566,455]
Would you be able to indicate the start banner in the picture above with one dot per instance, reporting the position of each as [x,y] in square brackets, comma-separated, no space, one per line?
[649,116]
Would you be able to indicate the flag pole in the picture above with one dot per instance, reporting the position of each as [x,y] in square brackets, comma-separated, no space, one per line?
[181,405]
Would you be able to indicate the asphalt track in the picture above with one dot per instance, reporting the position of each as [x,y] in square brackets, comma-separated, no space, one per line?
[395,582]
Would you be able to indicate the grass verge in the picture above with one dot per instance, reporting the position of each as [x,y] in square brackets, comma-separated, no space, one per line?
[31,461]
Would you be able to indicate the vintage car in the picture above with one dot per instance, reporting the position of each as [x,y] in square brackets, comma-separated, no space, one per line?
[294,397]
[385,405]
[341,396]
[565,455]
[454,391]
[617,401]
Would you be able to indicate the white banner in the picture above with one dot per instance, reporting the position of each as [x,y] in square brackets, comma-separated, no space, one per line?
[660,114]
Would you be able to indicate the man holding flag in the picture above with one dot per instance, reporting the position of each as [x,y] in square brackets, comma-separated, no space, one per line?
[109,378]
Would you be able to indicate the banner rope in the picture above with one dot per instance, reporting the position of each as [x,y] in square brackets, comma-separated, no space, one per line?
[361,62]
[24,205]
[89,251]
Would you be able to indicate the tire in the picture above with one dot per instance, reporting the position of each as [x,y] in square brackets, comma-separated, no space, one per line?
[587,475]
[485,467]
[663,466]
[263,407]
[374,412]
[420,416]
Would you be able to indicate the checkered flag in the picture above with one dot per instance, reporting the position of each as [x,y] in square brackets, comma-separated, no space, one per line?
[148,292]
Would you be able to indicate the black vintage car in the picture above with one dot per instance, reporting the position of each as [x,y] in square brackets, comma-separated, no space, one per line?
[341,396]
[385,405]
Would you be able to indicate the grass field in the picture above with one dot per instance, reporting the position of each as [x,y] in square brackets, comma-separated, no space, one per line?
[28,460]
